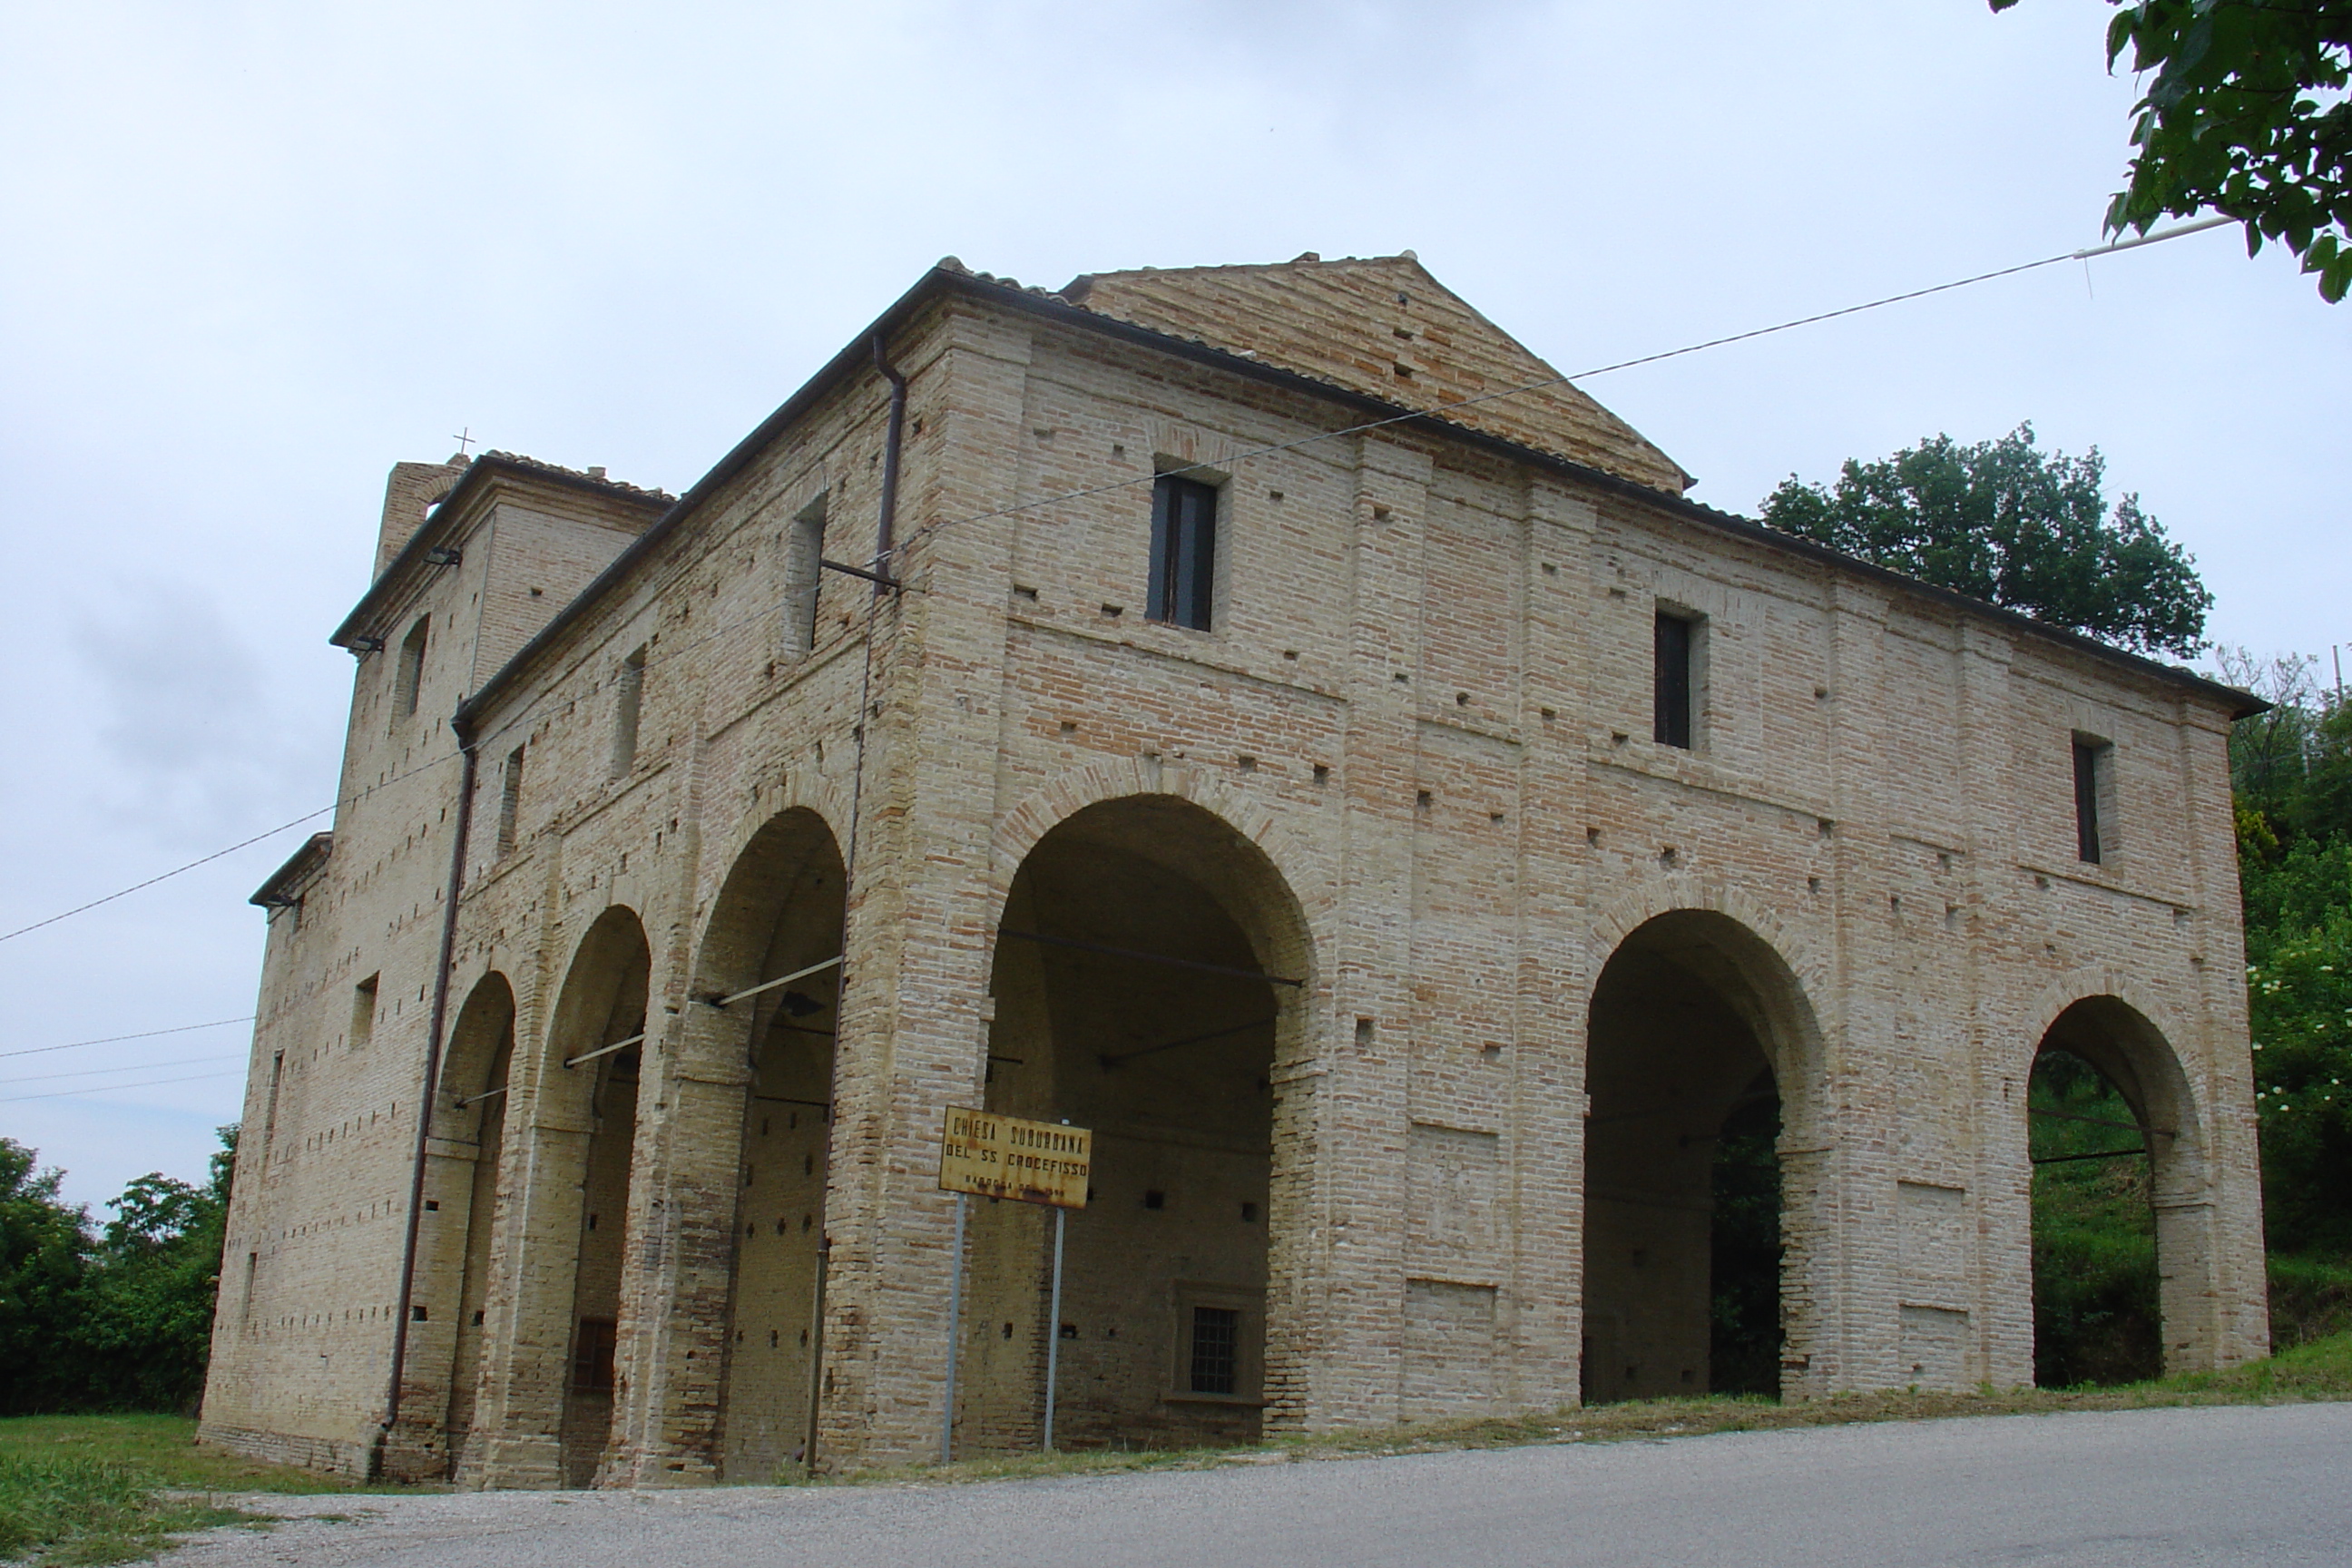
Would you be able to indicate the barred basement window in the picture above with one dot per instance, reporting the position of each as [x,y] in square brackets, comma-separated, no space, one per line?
[592,1357]
[1216,1350]
[1183,553]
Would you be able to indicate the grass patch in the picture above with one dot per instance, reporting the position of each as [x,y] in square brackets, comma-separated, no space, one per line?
[71,1509]
[77,1490]
[163,1447]
[2321,1369]
[2311,1296]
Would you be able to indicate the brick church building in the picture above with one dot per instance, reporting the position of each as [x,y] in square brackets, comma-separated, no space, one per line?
[1262,715]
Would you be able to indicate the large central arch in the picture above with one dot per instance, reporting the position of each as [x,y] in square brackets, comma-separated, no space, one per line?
[768,984]
[1151,969]
[1699,1066]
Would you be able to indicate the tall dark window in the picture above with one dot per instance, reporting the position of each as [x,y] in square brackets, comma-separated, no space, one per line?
[510,800]
[1183,552]
[1216,1350]
[364,1011]
[804,575]
[2090,766]
[408,679]
[1673,635]
[592,1357]
[628,704]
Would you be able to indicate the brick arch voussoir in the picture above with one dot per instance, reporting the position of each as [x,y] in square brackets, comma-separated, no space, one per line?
[824,798]
[2082,986]
[2015,1054]
[1064,797]
[1619,917]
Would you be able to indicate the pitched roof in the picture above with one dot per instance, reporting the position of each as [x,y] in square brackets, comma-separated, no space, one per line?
[1384,327]
[483,471]
[950,276]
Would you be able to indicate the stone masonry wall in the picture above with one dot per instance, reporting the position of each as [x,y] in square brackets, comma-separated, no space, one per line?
[1422,723]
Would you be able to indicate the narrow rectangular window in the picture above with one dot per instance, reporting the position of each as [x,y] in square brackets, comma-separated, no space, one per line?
[269,1112]
[1671,669]
[363,1013]
[804,575]
[592,1357]
[1183,553]
[245,1302]
[408,682]
[1216,1350]
[628,701]
[2093,763]
[510,800]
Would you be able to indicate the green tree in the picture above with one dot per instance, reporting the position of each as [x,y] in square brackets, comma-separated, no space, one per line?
[2005,522]
[44,1261]
[147,1331]
[2246,115]
[2292,772]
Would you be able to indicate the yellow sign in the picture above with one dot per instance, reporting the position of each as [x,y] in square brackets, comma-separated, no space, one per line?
[994,1156]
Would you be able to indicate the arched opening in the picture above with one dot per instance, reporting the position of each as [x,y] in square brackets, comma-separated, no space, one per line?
[1151,971]
[770,988]
[590,1081]
[471,1122]
[2119,1249]
[1697,1026]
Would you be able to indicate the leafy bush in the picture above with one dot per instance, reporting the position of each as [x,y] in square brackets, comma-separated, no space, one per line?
[119,1320]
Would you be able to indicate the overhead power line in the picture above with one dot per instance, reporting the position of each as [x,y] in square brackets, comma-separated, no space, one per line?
[167,876]
[111,1088]
[135,1067]
[117,1039]
[2134,243]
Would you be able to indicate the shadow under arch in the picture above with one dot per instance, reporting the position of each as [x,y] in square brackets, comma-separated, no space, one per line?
[1701,1055]
[779,913]
[470,1120]
[2103,1144]
[587,1123]
[1151,967]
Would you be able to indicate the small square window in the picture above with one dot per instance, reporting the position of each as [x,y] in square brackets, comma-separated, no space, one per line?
[1183,553]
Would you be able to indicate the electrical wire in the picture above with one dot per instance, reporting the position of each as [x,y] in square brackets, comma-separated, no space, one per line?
[880,563]
[140,1066]
[117,1039]
[111,1088]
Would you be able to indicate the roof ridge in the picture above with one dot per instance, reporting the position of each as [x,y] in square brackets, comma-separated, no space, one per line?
[593,476]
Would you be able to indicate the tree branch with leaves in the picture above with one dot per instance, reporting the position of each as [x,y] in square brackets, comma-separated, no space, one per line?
[2247,115]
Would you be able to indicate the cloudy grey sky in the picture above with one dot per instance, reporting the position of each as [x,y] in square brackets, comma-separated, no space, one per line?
[253,253]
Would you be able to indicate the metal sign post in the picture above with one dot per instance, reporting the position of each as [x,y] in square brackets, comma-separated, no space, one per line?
[1030,1162]
[1054,1329]
[955,1324]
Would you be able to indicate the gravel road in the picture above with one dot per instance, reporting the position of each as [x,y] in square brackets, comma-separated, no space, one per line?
[2140,1488]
